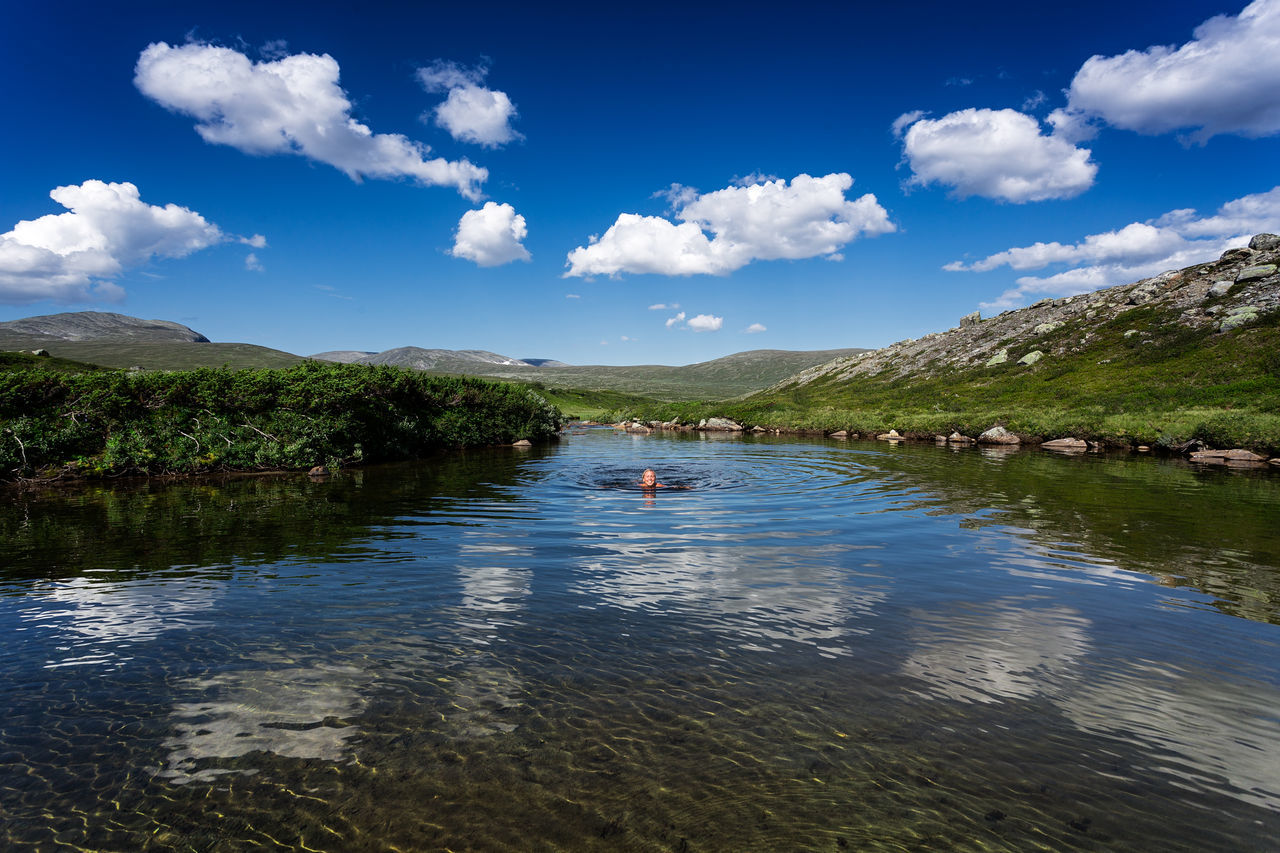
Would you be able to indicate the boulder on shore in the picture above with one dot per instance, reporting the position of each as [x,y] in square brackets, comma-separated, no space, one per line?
[719,425]
[891,435]
[998,435]
[1066,444]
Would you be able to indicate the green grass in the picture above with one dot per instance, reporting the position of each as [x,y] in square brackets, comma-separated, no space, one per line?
[1165,385]
[112,423]
[588,405]
[22,361]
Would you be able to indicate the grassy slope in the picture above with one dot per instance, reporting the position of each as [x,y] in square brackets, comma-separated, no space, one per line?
[1164,385]
[165,355]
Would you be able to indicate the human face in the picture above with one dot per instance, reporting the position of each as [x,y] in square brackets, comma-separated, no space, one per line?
[649,478]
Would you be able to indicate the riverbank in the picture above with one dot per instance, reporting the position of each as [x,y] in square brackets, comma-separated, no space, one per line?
[57,426]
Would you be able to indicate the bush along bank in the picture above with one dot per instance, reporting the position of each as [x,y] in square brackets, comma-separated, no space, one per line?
[96,424]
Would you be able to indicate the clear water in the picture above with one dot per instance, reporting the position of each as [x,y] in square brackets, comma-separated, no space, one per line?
[816,646]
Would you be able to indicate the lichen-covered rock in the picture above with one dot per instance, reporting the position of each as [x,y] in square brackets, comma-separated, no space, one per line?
[1045,328]
[1238,317]
[1031,357]
[1220,288]
[970,319]
[1252,273]
[998,435]
[999,358]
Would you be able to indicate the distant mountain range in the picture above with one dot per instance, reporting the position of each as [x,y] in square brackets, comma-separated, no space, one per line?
[118,340]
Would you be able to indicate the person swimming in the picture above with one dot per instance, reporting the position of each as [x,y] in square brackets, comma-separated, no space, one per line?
[649,480]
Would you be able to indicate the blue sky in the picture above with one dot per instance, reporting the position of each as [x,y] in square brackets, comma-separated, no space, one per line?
[659,185]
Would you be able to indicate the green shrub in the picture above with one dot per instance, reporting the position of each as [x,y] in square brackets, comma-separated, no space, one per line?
[219,419]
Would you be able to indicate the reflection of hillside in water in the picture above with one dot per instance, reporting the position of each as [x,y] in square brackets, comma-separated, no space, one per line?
[131,527]
[1202,727]
[1217,531]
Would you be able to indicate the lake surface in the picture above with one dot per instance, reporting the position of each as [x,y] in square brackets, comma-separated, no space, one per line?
[818,645]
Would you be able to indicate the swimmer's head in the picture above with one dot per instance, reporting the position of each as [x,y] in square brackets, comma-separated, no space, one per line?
[648,478]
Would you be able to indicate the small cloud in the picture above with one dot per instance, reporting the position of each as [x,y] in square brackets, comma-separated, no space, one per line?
[257,241]
[471,113]
[755,329]
[835,256]
[573,296]
[754,178]
[959,81]
[671,321]
[491,236]
[706,323]
[998,154]
[1036,99]
[332,291]
[662,306]
[274,49]
[902,122]
[626,338]
[252,263]
[677,196]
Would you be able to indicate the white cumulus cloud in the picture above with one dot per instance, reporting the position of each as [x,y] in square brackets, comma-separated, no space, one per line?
[705,323]
[1177,239]
[252,263]
[68,256]
[491,236]
[1223,81]
[662,306]
[672,321]
[470,112]
[773,220]
[999,154]
[292,105]
[755,329]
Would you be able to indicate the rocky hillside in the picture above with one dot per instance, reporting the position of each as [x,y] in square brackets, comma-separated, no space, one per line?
[1216,297]
[94,326]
